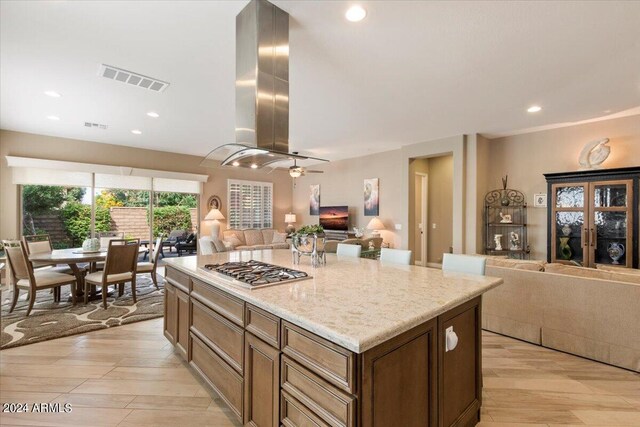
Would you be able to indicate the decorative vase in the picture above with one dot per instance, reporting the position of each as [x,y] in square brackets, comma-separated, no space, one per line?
[566,229]
[615,251]
[504,200]
[91,245]
[311,245]
[565,249]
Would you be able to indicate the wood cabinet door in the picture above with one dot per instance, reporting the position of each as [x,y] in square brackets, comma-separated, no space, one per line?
[399,386]
[460,368]
[262,383]
[183,323]
[569,223]
[170,313]
[611,223]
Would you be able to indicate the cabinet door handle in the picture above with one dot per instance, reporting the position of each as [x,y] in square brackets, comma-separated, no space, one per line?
[593,238]
[586,238]
[450,339]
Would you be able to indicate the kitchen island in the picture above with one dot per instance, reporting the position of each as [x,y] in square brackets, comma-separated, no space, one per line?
[359,343]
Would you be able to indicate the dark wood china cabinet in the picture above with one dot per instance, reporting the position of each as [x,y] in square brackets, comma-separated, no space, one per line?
[593,217]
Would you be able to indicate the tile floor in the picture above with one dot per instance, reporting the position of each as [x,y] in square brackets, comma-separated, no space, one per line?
[129,376]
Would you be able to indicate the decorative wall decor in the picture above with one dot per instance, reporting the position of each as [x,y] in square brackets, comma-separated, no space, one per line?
[540,200]
[314,199]
[594,154]
[214,202]
[371,198]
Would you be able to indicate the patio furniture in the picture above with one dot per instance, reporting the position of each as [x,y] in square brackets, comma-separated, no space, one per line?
[106,236]
[25,277]
[174,237]
[188,245]
[151,267]
[119,268]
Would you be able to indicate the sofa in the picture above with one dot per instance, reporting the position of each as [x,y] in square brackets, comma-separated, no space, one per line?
[267,238]
[593,313]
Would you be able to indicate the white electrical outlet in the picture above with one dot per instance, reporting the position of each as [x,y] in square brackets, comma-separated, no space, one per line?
[398,226]
[433,226]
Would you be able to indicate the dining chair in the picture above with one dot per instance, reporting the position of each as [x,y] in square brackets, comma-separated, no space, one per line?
[152,266]
[25,277]
[464,264]
[395,256]
[106,236]
[120,267]
[345,249]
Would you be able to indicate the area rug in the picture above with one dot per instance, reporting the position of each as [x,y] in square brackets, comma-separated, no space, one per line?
[50,320]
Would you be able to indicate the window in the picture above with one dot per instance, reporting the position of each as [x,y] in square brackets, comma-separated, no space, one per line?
[250,204]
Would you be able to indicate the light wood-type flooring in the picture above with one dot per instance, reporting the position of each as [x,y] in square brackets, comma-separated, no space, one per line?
[129,376]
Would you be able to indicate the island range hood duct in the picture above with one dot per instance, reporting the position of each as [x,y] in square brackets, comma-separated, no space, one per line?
[262,91]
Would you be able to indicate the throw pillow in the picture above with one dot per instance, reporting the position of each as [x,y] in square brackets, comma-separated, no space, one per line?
[279,237]
[233,241]
[219,245]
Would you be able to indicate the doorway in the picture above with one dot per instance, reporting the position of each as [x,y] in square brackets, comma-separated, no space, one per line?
[431,209]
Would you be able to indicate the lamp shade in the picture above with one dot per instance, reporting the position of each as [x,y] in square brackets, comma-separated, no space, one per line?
[290,218]
[375,224]
[214,214]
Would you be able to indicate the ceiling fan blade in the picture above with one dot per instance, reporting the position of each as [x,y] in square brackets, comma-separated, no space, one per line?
[308,171]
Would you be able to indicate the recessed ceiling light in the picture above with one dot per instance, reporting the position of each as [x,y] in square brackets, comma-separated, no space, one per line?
[355,14]
[254,166]
[55,118]
[136,132]
[236,163]
[153,114]
[52,94]
[534,109]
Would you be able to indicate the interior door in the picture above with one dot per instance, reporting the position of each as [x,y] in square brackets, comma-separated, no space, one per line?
[570,233]
[610,223]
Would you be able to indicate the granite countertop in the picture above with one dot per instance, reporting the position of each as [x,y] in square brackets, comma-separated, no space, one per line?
[356,303]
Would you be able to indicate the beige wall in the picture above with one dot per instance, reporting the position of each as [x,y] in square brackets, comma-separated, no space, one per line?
[525,158]
[342,184]
[46,147]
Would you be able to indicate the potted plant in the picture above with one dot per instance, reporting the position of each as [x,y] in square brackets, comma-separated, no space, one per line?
[309,240]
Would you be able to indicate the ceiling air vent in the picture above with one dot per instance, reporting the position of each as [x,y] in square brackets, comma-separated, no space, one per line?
[129,77]
[96,125]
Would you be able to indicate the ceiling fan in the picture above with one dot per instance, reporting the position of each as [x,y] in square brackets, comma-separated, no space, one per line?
[296,171]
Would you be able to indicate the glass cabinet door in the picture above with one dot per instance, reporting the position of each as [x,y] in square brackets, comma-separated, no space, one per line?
[569,232]
[609,229]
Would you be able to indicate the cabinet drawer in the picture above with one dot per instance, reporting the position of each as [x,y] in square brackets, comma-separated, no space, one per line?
[178,279]
[224,337]
[294,414]
[220,376]
[335,407]
[263,325]
[331,362]
[230,307]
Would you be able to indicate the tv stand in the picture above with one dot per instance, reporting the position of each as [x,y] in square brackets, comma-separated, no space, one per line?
[338,235]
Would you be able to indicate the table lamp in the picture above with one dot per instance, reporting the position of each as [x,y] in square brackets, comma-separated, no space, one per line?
[214,216]
[376,225]
[290,219]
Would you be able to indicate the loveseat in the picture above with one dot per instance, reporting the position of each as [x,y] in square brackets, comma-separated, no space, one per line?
[266,238]
[593,313]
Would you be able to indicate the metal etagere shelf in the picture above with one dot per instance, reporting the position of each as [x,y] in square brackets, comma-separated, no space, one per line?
[505,219]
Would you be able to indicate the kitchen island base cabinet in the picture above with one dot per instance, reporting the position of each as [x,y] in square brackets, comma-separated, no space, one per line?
[271,372]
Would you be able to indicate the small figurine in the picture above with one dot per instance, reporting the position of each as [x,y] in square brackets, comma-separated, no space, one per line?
[359,232]
[496,239]
[506,218]
[514,241]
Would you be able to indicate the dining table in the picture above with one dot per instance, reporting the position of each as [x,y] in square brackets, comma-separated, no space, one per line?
[74,257]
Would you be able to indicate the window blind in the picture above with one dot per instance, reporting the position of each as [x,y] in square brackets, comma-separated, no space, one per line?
[250,204]
[37,176]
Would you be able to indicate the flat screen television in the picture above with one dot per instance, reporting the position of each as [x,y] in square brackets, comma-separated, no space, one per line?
[334,218]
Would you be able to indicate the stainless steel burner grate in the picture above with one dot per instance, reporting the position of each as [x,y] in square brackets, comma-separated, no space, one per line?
[255,274]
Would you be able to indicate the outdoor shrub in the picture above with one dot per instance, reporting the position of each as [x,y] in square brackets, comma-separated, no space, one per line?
[169,218]
[77,221]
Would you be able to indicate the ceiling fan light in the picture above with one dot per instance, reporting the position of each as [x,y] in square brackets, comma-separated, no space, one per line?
[295,173]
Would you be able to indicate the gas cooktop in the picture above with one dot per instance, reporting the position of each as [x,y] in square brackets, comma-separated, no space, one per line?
[256,274]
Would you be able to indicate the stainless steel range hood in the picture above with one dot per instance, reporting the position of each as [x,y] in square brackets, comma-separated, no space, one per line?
[262,90]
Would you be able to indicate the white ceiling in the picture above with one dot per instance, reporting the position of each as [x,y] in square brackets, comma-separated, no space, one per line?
[410,72]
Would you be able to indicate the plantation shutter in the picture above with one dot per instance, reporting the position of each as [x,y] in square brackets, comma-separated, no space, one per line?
[250,204]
